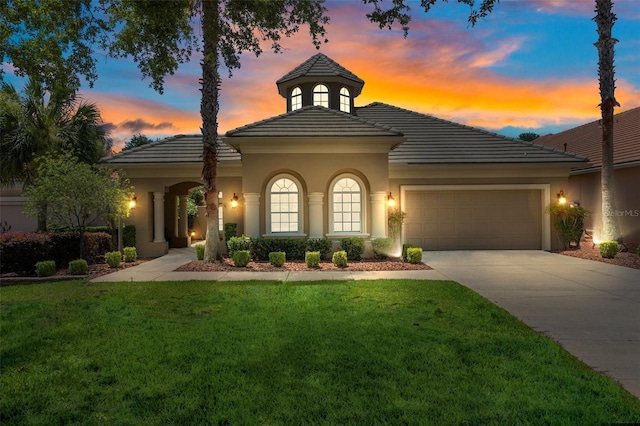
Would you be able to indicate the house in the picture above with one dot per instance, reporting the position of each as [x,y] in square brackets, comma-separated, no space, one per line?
[327,168]
[584,179]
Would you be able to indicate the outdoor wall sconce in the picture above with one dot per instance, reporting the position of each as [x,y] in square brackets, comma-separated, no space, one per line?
[390,200]
[561,198]
[133,202]
[234,201]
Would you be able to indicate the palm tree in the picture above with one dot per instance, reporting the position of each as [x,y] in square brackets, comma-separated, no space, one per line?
[604,19]
[38,122]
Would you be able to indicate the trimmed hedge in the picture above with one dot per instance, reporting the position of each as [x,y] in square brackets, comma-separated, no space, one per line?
[200,251]
[414,254]
[277,258]
[354,246]
[45,268]
[130,254]
[312,259]
[608,249]
[293,247]
[339,259]
[78,267]
[129,236]
[405,247]
[113,258]
[241,258]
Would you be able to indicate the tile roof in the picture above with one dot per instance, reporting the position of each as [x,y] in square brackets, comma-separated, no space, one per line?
[320,66]
[180,149]
[431,140]
[312,122]
[586,140]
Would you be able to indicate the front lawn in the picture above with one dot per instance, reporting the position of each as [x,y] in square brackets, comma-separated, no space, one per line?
[366,352]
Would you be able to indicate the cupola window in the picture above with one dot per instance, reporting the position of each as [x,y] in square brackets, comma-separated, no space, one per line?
[296,99]
[345,100]
[321,95]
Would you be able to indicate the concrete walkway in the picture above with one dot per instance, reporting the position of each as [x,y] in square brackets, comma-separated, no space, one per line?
[591,308]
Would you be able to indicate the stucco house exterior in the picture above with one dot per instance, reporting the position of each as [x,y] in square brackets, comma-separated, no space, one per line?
[584,179]
[327,168]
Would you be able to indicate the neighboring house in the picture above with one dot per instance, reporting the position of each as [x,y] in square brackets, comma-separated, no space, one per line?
[584,179]
[328,168]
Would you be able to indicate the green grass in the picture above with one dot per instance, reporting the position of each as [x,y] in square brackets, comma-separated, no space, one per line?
[367,352]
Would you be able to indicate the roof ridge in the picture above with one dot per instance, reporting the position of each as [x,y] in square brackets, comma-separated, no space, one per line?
[319,108]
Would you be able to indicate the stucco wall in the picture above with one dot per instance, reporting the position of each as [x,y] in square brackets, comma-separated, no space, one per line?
[585,188]
[315,173]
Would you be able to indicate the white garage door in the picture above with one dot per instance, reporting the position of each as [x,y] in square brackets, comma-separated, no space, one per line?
[463,219]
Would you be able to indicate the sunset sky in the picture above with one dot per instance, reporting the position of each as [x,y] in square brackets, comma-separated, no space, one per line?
[530,66]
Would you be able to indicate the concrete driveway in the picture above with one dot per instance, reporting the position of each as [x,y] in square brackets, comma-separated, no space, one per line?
[591,308]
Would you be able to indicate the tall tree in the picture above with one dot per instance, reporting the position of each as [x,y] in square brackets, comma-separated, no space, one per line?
[136,141]
[160,36]
[528,136]
[605,19]
[37,122]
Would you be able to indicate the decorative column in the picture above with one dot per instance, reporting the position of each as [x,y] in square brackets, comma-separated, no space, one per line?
[316,222]
[158,217]
[252,214]
[378,214]
[183,225]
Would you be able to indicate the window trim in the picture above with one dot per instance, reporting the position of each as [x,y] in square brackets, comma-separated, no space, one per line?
[269,232]
[363,208]
[348,100]
[297,95]
[328,93]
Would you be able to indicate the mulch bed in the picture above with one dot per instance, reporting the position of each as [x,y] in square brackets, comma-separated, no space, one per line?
[587,251]
[363,265]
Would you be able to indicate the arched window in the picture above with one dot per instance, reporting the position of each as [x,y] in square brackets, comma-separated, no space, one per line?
[284,205]
[296,99]
[346,205]
[321,95]
[345,100]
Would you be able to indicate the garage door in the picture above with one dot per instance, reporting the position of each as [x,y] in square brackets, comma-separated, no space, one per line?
[466,219]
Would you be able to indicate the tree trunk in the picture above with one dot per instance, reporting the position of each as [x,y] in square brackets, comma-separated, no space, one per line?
[605,19]
[209,111]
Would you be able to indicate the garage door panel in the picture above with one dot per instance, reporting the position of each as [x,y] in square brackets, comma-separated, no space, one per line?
[474,219]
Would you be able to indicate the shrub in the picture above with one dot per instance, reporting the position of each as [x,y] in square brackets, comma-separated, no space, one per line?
[63,247]
[130,254]
[230,230]
[277,258]
[414,254]
[20,251]
[200,251]
[312,259]
[113,258]
[129,235]
[323,245]
[293,247]
[354,246]
[339,259]
[96,244]
[45,268]
[569,223]
[608,249]
[382,247]
[238,243]
[78,267]
[241,258]
[405,247]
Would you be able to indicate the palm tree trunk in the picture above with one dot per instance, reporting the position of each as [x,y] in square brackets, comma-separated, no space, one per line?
[209,107]
[605,19]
